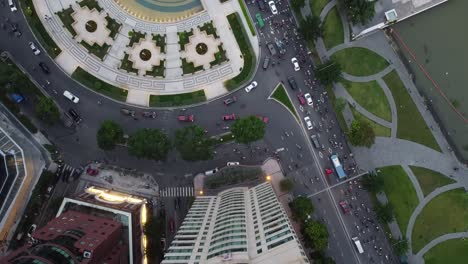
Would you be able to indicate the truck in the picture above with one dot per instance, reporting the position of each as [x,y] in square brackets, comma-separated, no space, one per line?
[358,245]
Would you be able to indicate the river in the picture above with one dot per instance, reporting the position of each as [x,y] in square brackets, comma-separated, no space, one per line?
[439,40]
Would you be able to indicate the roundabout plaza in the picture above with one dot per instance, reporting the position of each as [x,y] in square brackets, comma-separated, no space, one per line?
[148,48]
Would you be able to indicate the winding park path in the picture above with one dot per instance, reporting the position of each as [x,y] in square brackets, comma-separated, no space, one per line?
[392,150]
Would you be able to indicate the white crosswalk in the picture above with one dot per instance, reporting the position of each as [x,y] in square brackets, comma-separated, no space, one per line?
[185,191]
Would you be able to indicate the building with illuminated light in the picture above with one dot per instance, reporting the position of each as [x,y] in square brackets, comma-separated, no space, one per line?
[239,225]
[74,237]
[129,210]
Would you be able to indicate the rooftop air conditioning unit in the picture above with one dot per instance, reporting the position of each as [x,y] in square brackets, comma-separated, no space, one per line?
[87,254]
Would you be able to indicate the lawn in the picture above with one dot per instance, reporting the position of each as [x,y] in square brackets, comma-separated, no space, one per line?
[316,6]
[451,251]
[411,125]
[99,86]
[247,53]
[127,65]
[400,192]
[113,26]
[157,71]
[184,38]
[189,67]
[446,213]
[370,96]
[247,17]
[177,99]
[333,34]
[99,51]
[379,130]
[209,29]
[67,20]
[429,180]
[40,32]
[282,97]
[360,61]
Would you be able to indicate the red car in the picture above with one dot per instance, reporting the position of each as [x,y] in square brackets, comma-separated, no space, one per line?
[185,118]
[230,100]
[300,97]
[229,117]
[328,171]
[344,206]
[263,118]
[92,172]
[171,225]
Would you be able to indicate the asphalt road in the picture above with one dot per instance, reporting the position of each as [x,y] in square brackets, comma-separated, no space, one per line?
[299,160]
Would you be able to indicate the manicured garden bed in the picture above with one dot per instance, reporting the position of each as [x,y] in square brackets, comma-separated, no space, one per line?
[160,41]
[67,20]
[429,180]
[127,65]
[189,67]
[99,51]
[99,86]
[245,11]
[333,34]
[184,38]
[233,175]
[177,99]
[113,26]
[135,37]
[209,29]
[90,4]
[360,61]
[281,95]
[157,71]
[220,56]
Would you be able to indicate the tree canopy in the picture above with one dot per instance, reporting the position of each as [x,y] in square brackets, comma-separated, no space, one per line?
[296,5]
[328,72]
[192,143]
[149,143]
[399,246]
[361,133]
[360,11]
[248,129]
[384,212]
[311,27]
[47,110]
[109,134]
[286,185]
[301,208]
[316,234]
[373,182]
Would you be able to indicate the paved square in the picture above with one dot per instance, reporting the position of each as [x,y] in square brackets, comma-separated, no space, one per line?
[202,56]
[145,54]
[90,26]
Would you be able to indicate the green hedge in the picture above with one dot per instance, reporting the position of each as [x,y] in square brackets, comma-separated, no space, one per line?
[245,11]
[99,86]
[177,99]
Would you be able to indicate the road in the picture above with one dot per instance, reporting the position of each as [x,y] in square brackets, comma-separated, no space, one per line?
[299,160]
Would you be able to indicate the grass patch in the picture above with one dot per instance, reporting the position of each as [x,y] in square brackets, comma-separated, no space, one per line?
[379,130]
[337,110]
[99,86]
[247,53]
[209,29]
[113,26]
[127,65]
[158,71]
[67,20]
[177,99]
[135,37]
[400,192]
[446,213]
[38,28]
[281,95]
[99,51]
[333,34]
[189,67]
[184,38]
[220,56]
[429,180]
[351,61]
[90,4]
[233,175]
[316,6]
[411,125]
[160,41]
[370,96]
[247,17]
[451,251]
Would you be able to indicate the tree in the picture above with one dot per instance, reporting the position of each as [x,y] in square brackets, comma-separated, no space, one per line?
[361,133]
[193,144]
[328,72]
[151,227]
[384,212]
[301,208]
[311,28]
[109,134]
[319,257]
[248,129]
[149,143]
[373,182]
[340,104]
[316,235]
[286,185]
[47,110]
[360,11]
[296,5]
[400,246]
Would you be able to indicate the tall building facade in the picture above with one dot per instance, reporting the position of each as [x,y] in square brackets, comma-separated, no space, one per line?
[239,225]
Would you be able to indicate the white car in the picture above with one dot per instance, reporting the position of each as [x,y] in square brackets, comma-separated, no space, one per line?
[71,97]
[295,64]
[12,6]
[251,86]
[273,7]
[233,163]
[35,50]
[308,98]
[308,123]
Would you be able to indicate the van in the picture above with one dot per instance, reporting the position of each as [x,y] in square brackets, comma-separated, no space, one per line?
[12,6]
[211,172]
[266,62]
[358,245]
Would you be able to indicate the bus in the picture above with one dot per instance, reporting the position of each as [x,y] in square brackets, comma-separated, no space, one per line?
[358,245]
[337,165]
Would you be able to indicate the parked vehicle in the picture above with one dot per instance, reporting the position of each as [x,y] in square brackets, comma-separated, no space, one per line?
[308,123]
[295,64]
[251,86]
[261,4]
[33,47]
[71,97]
[344,207]
[230,100]
[263,118]
[358,245]
[260,21]
[281,46]
[75,116]
[12,6]
[185,118]
[292,82]
[300,97]
[92,172]
[271,48]
[315,141]
[273,8]
[308,98]
[233,163]
[16,97]
[149,114]
[229,117]
[211,172]
[266,62]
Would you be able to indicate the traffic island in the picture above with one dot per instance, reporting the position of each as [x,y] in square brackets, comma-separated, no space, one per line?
[281,96]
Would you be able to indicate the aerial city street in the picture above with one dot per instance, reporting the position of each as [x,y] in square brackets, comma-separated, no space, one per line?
[237,131]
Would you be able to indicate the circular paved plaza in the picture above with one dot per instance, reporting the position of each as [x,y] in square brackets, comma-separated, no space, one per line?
[162,11]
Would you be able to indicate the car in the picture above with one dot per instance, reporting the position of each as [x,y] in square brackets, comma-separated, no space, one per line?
[75,116]
[251,86]
[229,117]
[35,50]
[31,229]
[185,118]
[328,171]
[71,97]
[126,111]
[261,4]
[300,97]
[292,82]
[44,67]
[263,118]
[273,8]
[295,64]
[308,123]
[149,114]
[230,100]
[211,172]
[308,98]
[14,29]
[233,163]
[12,6]
[171,225]
[92,172]
[271,48]
[266,62]
[344,206]
[315,141]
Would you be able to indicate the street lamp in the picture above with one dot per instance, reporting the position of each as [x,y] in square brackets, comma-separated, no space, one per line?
[268,178]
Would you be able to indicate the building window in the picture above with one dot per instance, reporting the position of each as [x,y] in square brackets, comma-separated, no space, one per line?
[259,251]
[197,257]
[259,243]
